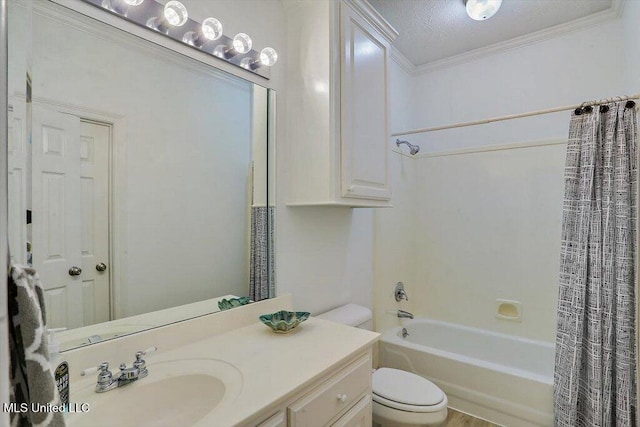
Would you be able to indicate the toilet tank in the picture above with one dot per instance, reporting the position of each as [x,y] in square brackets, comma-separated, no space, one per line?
[350,314]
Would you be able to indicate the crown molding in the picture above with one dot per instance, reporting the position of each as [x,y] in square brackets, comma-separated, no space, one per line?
[374,18]
[615,11]
[398,57]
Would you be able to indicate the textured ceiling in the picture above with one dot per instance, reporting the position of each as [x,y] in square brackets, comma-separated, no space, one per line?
[436,29]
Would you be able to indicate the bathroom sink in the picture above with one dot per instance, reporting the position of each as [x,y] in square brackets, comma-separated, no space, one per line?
[176,393]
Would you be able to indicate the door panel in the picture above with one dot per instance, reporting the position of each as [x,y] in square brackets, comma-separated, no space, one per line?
[95,139]
[56,235]
[71,216]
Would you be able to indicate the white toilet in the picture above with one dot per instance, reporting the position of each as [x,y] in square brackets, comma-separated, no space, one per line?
[400,398]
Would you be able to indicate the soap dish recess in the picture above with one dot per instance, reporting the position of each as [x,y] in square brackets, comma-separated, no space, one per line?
[509,310]
[284,321]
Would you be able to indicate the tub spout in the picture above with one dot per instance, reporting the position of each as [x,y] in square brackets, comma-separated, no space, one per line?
[404,314]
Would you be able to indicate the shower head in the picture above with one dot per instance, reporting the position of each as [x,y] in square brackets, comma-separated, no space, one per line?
[413,149]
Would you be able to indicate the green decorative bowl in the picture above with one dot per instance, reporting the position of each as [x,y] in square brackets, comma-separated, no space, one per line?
[226,304]
[284,321]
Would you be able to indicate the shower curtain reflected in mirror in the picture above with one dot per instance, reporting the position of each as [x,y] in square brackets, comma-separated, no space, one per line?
[262,265]
[595,372]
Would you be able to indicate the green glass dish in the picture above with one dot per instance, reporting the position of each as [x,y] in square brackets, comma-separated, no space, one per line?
[226,304]
[284,321]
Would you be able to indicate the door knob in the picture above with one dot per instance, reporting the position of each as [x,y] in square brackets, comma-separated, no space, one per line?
[75,271]
[101,267]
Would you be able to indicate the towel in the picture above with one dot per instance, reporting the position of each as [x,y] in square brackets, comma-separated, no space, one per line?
[32,383]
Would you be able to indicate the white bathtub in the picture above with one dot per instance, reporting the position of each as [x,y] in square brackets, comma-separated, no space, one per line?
[501,378]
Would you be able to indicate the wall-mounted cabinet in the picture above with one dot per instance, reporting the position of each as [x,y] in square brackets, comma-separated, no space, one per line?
[337,109]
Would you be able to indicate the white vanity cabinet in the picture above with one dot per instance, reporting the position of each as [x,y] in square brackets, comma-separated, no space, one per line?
[341,398]
[337,107]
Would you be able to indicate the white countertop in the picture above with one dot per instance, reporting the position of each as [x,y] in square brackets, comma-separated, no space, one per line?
[274,367]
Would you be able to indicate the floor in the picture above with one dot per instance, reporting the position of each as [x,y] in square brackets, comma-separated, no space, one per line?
[458,419]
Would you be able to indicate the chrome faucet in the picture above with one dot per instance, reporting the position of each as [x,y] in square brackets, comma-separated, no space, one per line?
[106,380]
[400,293]
[404,314]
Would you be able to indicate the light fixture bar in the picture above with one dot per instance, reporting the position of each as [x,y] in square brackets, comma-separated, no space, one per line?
[146,11]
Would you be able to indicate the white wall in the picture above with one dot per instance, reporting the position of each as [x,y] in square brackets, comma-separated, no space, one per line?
[631,34]
[395,237]
[488,223]
[569,69]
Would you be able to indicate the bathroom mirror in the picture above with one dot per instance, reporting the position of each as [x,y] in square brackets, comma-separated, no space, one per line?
[142,174]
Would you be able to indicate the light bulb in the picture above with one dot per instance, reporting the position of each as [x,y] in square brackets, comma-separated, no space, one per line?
[482,9]
[268,56]
[175,13]
[211,28]
[120,6]
[242,43]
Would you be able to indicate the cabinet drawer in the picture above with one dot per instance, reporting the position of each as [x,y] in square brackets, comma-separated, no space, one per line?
[339,392]
[359,416]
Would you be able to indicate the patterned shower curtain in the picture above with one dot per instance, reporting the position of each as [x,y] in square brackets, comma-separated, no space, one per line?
[262,266]
[595,371]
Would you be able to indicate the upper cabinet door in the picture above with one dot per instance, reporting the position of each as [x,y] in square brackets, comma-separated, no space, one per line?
[364,119]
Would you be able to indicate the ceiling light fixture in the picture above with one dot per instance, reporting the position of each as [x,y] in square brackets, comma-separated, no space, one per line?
[482,9]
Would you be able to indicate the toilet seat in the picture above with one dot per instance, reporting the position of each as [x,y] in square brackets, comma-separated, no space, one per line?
[406,391]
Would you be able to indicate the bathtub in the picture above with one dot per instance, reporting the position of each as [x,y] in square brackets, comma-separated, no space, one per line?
[501,378]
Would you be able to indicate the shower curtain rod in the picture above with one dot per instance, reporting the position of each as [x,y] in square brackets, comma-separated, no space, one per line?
[516,116]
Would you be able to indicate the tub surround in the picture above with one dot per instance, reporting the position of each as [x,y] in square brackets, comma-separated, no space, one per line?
[507,380]
[281,374]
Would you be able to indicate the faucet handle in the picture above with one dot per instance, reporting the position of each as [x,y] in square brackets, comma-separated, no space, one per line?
[400,293]
[140,363]
[150,350]
[103,368]
[139,354]
[105,378]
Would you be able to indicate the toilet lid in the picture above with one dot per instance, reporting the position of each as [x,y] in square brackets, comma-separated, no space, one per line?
[405,387]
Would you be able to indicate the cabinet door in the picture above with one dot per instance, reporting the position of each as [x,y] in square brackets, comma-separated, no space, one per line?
[363,121]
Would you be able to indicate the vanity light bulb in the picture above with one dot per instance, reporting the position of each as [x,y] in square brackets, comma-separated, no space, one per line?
[242,43]
[120,6]
[480,10]
[211,29]
[268,56]
[175,13]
